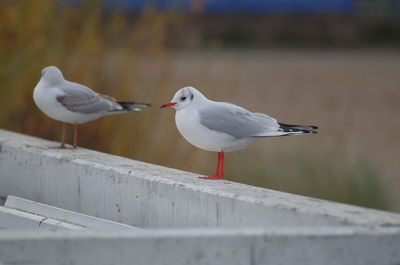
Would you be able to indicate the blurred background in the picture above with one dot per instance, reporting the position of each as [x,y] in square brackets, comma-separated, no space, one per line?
[335,64]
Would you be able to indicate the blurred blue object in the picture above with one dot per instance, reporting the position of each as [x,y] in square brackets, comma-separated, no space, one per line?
[277,6]
[235,6]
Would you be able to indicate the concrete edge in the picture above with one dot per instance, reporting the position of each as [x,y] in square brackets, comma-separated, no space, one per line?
[274,246]
[319,231]
[48,211]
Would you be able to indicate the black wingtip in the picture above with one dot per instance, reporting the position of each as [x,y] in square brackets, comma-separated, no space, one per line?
[306,129]
[132,106]
[133,103]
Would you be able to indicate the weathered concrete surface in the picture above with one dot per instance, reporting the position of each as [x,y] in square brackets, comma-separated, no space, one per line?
[146,195]
[300,246]
[14,219]
[24,206]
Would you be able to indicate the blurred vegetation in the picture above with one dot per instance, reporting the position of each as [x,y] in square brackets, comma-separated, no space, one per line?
[318,173]
[111,54]
[89,48]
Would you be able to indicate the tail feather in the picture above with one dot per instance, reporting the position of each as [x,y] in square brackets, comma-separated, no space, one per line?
[132,106]
[298,129]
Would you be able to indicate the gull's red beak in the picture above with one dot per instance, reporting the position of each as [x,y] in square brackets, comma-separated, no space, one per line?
[169,104]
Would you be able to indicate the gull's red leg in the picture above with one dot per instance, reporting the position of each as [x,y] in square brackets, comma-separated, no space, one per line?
[62,146]
[220,166]
[219,173]
[75,135]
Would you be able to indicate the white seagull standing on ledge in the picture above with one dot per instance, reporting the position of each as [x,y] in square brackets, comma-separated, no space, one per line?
[224,127]
[73,103]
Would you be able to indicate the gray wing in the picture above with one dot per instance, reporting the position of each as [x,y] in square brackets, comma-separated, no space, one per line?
[78,98]
[236,121]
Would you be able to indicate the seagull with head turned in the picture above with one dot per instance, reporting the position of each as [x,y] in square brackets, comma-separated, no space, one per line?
[74,103]
[224,127]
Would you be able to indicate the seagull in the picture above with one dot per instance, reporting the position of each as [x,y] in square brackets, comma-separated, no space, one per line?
[74,103]
[224,127]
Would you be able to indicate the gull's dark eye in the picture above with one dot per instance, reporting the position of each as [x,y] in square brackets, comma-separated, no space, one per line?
[183,98]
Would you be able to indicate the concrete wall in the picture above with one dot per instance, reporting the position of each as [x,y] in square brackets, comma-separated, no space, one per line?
[146,195]
[300,246]
[255,225]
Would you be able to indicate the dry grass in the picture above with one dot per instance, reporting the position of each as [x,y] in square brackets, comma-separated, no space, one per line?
[352,96]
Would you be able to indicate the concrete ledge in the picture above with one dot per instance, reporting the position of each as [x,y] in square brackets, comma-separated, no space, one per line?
[22,207]
[14,219]
[256,226]
[300,246]
[146,195]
